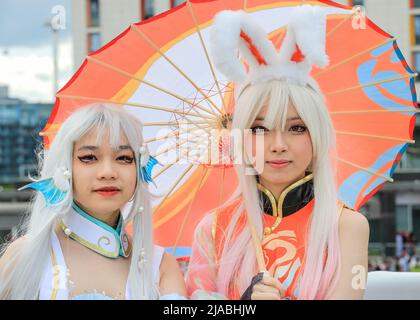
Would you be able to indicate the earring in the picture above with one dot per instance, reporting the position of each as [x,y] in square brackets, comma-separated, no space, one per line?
[54,189]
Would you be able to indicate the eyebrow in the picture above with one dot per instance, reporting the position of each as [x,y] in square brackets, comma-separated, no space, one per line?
[288,119]
[93,148]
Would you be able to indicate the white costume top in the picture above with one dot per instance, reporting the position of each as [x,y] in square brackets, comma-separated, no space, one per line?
[54,283]
[99,237]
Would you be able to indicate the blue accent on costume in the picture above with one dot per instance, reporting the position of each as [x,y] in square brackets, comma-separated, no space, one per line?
[92,296]
[146,171]
[52,195]
[103,225]
[179,251]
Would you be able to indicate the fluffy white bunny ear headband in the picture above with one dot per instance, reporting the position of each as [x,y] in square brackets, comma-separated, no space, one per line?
[303,47]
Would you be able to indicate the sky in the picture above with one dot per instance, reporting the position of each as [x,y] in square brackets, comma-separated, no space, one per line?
[26,47]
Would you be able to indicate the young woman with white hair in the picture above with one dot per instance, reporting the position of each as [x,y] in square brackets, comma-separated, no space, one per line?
[284,234]
[93,182]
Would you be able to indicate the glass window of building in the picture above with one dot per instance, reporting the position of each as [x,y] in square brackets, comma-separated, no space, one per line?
[412,159]
[94,41]
[176,3]
[148,9]
[416,63]
[358,2]
[416,26]
[93,13]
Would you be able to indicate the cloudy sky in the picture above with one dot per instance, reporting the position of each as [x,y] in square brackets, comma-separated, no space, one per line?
[26,58]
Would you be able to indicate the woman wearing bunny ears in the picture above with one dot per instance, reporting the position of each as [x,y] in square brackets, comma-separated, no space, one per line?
[283,234]
[74,244]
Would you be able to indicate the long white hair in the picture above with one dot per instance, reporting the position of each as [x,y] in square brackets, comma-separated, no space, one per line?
[23,282]
[322,257]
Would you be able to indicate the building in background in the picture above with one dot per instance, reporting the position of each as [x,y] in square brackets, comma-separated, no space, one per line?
[20,124]
[96,22]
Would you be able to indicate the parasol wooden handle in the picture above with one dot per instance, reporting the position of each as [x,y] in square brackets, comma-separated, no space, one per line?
[257,246]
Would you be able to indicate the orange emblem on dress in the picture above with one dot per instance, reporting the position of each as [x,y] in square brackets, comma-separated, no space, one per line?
[283,249]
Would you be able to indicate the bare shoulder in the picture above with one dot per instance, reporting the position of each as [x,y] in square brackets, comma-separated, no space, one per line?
[168,263]
[353,219]
[354,243]
[169,266]
[171,277]
[353,224]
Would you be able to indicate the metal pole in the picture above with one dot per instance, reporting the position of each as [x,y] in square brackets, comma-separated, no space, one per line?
[55,42]
[55,59]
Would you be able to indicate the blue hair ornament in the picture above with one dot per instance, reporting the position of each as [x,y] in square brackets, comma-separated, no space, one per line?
[147,163]
[55,189]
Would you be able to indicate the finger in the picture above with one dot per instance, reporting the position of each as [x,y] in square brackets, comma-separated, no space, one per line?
[262,288]
[270,281]
[265,296]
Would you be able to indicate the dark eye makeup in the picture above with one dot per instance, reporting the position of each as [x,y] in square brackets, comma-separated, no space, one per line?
[90,157]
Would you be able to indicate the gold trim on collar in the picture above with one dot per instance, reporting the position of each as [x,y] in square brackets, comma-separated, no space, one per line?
[126,243]
[97,248]
[277,206]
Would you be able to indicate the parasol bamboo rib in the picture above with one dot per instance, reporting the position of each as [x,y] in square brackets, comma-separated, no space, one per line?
[163,55]
[336,65]
[411,75]
[375,136]
[207,56]
[366,169]
[175,133]
[131,76]
[170,215]
[177,123]
[178,144]
[137,105]
[173,147]
[171,190]
[172,123]
[144,106]
[184,220]
[168,166]
[347,18]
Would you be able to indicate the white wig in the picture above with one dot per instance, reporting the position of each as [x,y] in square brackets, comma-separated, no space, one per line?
[28,265]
